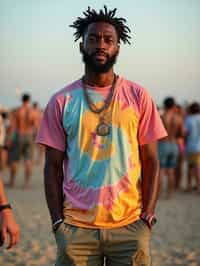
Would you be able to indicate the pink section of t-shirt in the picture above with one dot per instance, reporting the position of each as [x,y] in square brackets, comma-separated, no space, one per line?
[51,132]
[150,126]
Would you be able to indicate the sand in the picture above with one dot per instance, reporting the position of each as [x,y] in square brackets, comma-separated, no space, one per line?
[175,238]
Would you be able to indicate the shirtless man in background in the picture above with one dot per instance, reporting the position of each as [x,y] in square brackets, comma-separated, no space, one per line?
[168,147]
[180,139]
[36,113]
[20,140]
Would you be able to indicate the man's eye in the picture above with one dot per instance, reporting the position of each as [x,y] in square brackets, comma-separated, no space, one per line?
[92,39]
[109,40]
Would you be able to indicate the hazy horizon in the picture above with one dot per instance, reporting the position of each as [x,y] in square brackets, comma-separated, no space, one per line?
[38,54]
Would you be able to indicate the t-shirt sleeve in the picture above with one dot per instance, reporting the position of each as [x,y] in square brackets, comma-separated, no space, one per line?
[51,132]
[151,127]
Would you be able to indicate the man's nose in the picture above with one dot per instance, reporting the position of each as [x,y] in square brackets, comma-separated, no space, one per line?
[100,43]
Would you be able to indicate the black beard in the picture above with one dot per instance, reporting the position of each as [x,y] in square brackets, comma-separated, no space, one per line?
[98,68]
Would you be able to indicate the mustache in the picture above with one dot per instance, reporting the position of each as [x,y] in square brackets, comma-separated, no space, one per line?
[100,52]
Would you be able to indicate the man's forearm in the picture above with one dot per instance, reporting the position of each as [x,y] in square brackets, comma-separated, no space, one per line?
[3,198]
[150,185]
[53,179]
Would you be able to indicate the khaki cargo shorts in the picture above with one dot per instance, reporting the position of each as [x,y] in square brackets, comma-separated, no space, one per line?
[127,245]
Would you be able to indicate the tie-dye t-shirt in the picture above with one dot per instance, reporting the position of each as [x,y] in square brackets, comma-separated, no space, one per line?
[102,174]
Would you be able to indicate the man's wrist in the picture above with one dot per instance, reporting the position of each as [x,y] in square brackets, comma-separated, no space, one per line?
[5,207]
[149,218]
[56,224]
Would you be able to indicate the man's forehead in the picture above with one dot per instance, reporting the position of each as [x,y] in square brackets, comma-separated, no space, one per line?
[101,27]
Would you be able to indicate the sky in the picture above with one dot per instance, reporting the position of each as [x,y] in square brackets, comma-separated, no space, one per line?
[38,54]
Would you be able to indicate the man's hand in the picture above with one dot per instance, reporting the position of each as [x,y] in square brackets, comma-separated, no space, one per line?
[9,229]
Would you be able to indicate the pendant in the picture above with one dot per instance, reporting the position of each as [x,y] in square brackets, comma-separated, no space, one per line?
[103,129]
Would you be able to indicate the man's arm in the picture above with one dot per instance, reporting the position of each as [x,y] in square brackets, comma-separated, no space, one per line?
[53,180]
[150,176]
[8,226]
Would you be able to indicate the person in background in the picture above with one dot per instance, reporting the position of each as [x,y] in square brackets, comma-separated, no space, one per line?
[36,114]
[180,138]
[5,124]
[38,149]
[101,166]
[20,140]
[192,124]
[168,148]
[2,139]
[9,230]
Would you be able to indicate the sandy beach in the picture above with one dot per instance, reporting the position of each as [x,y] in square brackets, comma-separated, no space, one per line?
[175,238]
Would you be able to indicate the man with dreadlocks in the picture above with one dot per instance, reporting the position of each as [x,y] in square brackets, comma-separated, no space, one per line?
[101,168]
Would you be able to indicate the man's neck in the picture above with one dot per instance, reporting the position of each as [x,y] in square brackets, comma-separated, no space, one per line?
[99,79]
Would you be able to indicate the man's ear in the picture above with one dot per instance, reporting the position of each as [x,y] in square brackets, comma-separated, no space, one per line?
[118,48]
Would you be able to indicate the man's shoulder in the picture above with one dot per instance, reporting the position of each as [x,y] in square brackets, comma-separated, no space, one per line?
[193,118]
[18,110]
[132,85]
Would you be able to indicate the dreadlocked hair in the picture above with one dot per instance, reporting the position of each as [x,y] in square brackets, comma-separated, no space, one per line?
[105,15]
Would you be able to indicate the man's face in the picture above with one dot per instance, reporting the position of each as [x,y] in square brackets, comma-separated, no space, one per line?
[100,47]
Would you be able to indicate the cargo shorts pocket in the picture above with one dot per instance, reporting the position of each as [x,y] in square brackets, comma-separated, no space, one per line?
[63,235]
[141,239]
